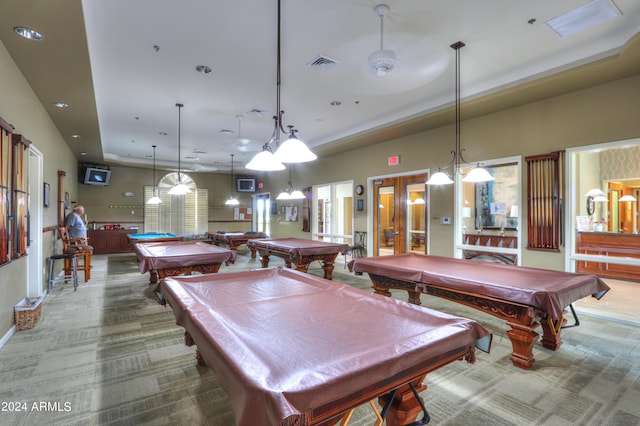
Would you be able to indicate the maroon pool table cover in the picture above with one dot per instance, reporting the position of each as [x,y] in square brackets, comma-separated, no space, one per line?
[171,254]
[282,342]
[298,247]
[546,290]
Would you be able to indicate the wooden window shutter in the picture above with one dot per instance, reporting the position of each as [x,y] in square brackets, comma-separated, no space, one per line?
[545,183]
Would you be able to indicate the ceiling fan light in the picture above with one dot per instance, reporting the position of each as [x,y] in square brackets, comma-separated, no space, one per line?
[293,150]
[478,174]
[382,62]
[439,178]
[264,161]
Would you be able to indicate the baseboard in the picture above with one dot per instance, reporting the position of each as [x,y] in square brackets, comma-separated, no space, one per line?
[7,335]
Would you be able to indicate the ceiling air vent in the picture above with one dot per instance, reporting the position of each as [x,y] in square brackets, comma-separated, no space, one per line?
[322,62]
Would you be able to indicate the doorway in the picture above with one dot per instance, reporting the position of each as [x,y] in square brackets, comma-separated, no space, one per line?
[400,215]
[34,226]
[262,208]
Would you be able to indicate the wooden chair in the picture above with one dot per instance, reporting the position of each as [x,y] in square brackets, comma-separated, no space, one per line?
[81,248]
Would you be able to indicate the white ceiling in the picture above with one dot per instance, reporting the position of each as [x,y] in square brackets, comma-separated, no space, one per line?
[136,86]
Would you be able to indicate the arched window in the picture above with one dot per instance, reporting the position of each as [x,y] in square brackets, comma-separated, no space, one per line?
[185,215]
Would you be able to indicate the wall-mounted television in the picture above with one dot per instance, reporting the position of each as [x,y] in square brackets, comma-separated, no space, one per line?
[246,184]
[95,176]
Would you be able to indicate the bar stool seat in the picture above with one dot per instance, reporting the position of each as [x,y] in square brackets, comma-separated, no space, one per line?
[73,271]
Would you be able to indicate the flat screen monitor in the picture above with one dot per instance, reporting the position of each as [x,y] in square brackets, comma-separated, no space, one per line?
[246,184]
[95,176]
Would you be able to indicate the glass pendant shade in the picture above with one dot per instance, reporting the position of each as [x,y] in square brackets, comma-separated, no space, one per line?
[627,198]
[179,189]
[297,195]
[293,150]
[439,178]
[595,192]
[600,199]
[264,161]
[478,174]
[418,201]
[155,199]
[284,195]
[232,201]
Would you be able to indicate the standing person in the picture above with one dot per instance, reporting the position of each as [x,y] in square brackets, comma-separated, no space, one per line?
[74,223]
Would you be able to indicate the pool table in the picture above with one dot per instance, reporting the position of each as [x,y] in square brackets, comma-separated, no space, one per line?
[331,347]
[233,240]
[149,237]
[170,258]
[299,252]
[524,297]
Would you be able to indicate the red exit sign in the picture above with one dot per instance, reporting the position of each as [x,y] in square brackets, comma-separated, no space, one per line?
[394,160]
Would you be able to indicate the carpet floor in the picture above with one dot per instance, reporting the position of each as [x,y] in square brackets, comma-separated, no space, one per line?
[109,354]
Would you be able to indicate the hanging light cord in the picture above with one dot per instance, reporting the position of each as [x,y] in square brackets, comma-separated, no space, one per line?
[231,181]
[179,174]
[154,170]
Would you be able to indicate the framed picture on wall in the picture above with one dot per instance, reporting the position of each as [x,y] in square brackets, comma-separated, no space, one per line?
[47,195]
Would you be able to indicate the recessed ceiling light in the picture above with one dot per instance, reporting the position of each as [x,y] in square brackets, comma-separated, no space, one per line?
[61,105]
[83,153]
[336,103]
[74,136]
[591,14]
[227,132]
[28,33]
[203,69]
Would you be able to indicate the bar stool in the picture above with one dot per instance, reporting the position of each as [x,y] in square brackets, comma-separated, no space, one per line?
[67,258]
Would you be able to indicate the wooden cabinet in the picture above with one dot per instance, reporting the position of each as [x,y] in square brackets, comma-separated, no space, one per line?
[609,244]
[112,241]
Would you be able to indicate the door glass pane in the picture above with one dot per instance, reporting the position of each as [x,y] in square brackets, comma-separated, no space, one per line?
[386,220]
[333,220]
[416,203]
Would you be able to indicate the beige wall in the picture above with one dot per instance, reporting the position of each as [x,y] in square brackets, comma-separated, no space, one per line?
[596,115]
[20,107]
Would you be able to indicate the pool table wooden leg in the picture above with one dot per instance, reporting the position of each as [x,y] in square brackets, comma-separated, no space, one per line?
[264,260]
[328,267]
[551,329]
[523,338]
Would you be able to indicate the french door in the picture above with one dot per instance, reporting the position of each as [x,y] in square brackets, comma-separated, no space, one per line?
[400,215]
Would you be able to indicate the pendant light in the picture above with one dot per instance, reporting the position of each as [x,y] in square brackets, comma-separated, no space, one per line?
[293,150]
[155,199]
[232,201]
[476,174]
[289,193]
[179,188]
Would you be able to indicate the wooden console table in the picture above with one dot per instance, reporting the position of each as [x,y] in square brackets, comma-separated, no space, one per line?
[111,241]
